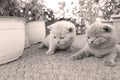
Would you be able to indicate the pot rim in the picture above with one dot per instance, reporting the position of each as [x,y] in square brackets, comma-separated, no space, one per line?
[115,16]
[13,18]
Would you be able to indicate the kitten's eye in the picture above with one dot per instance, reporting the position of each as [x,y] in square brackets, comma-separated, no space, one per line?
[54,37]
[62,37]
[88,37]
[97,37]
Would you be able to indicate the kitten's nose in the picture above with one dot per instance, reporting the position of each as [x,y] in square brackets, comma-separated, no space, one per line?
[92,42]
[58,42]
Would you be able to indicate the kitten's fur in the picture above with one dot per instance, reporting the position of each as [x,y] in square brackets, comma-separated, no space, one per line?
[61,36]
[101,40]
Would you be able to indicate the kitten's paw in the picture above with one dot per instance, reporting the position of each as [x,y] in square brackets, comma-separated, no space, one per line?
[69,49]
[41,46]
[50,53]
[110,63]
[75,57]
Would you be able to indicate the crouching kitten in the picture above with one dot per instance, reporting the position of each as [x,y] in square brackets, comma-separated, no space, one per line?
[61,36]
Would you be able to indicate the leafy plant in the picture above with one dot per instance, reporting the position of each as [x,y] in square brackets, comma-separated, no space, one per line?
[32,11]
[48,16]
[110,7]
[9,8]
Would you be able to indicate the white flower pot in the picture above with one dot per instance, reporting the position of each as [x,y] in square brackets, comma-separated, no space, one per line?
[116,24]
[36,31]
[12,38]
[27,43]
[107,22]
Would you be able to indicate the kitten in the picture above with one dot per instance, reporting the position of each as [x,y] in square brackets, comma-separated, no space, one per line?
[61,36]
[101,40]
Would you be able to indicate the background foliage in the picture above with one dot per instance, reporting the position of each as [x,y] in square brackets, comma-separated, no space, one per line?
[81,14]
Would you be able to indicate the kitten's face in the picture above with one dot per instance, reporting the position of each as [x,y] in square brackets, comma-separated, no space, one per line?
[100,35]
[62,33]
[61,36]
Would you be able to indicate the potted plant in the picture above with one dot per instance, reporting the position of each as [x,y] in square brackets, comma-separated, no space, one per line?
[49,18]
[12,31]
[35,26]
[111,14]
[116,23]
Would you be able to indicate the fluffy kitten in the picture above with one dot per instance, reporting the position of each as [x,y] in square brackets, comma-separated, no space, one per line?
[61,36]
[101,40]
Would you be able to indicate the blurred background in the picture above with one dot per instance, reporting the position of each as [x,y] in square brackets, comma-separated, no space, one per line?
[81,12]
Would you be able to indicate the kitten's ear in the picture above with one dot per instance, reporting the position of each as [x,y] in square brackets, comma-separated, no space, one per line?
[107,28]
[50,27]
[70,29]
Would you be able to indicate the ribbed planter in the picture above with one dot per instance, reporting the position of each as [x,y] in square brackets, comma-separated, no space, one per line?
[35,31]
[12,38]
[116,23]
[107,22]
